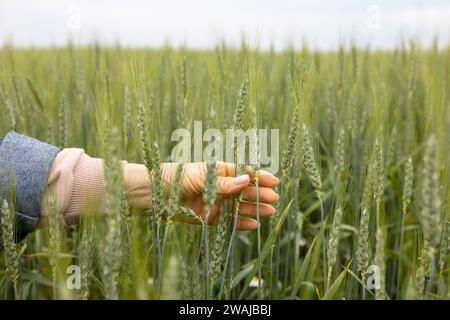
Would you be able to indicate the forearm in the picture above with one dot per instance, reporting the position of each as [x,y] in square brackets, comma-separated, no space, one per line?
[32,171]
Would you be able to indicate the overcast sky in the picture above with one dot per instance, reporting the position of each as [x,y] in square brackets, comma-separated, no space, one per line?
[202,23]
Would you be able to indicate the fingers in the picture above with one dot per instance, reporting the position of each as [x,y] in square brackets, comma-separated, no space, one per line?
[246,224]
[249,209]
[266,195]
[232,185]
[227,184]
[266,179]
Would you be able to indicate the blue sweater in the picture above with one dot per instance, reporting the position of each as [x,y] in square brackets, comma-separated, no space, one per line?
[24,168]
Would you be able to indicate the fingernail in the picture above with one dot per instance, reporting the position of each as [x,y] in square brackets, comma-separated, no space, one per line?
[241,179]
[275,181]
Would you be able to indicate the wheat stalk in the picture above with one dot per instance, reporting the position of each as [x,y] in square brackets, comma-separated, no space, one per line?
[144,132]
[431,203]
[379,176]
[407,185]
[182,110]
[413,75]
[238,124]
[125,240]
[111,253]
[423,270]
[87,251]
[340,154]
[62,122]
[126,118]
[445,246]
[50,138]
[290,150]
[19,101]
[208,198]
[80,83]
[406,200]
[341,69]
[312,171]
[333,242]
[309,163]
[362,253]
[221,240]
[54,236]
[9,245]
[159,216]
[157,183]
[9,106]
[354,65]
[380,262]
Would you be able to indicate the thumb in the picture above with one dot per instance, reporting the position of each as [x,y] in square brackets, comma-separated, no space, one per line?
[232,185]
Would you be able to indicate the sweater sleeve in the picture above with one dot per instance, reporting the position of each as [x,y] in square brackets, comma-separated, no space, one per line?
[24,169]
[77,182]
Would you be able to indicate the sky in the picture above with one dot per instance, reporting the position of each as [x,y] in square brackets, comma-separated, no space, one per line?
[324,24]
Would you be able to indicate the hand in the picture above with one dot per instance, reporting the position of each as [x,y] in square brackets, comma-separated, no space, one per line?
[191,194]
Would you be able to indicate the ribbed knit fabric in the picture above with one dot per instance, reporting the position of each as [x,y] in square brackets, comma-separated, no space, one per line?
[60,182]
[88,189]
[78,183]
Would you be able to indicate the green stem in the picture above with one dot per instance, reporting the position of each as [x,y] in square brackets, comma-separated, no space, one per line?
[430,280]
[206,240]
[324,257]
[258,239]
[399,272]
[230,247]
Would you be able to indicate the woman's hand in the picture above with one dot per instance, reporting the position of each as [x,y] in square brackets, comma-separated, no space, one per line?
[136,184]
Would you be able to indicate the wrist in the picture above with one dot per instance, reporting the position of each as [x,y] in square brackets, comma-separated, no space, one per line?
[137,186]
[137,183]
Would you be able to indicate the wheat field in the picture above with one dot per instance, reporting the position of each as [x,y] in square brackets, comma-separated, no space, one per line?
[364,148]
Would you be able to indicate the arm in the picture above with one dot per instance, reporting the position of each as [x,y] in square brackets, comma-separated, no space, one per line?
[78,183]
[35,170]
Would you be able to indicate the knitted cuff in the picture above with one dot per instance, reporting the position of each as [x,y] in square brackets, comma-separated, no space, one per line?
[77,182]
[60,181]
[88,194]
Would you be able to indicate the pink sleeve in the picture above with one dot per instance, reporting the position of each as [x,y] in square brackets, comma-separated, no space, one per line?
[78,183]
